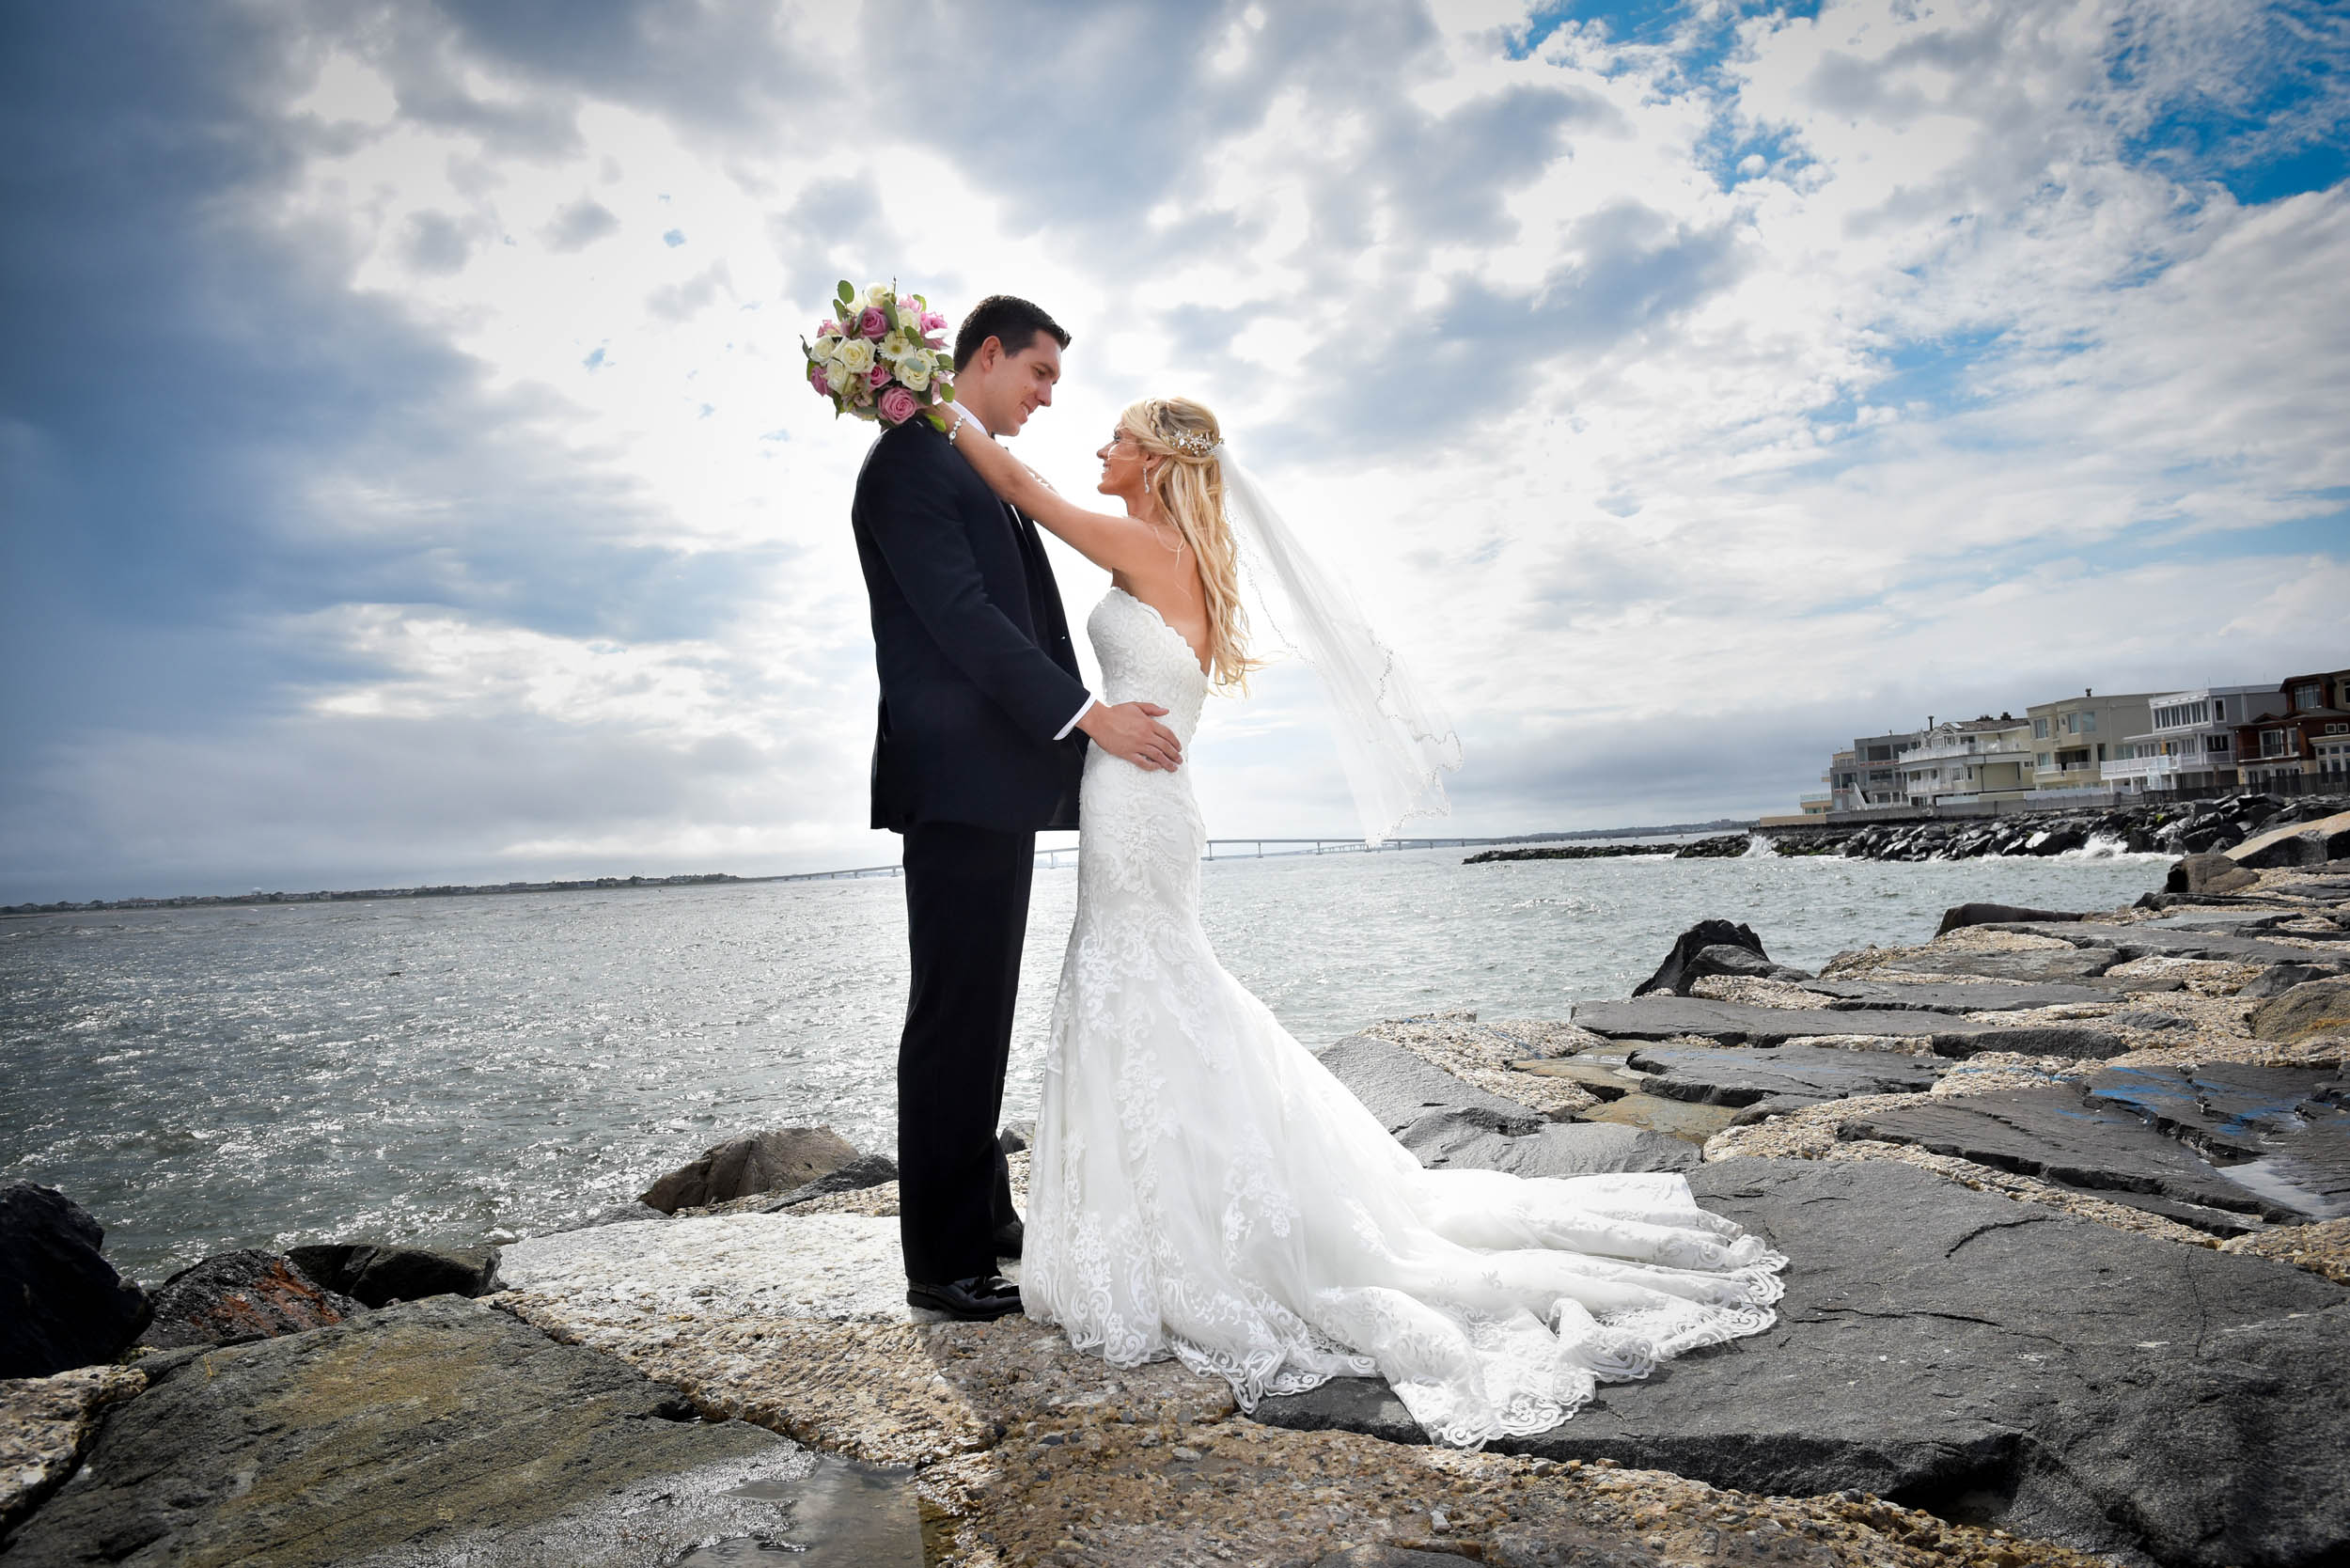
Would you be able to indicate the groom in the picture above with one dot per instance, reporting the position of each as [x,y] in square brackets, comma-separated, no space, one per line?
[981,741]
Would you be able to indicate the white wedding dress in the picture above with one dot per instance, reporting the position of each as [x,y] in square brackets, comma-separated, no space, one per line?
[1202,1187]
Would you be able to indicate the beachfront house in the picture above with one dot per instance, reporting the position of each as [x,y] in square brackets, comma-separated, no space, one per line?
[2073,738]
[2298,746]
[1968,760]
[1843,780]
[2192,743]
[1877,760]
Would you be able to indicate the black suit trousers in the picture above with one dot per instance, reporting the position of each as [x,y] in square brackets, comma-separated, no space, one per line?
[966,913]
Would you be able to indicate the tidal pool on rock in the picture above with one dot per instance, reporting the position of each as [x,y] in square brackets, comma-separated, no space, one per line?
[435,1070]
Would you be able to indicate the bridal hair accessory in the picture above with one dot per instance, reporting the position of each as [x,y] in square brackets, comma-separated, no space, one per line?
[1394,743]
[1198,443]
[882,357]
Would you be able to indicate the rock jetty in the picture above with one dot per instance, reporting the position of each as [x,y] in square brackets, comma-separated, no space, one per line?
[2067,1196]
[2308,831]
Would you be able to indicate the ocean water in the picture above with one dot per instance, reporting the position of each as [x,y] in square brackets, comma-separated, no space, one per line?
[456,1070]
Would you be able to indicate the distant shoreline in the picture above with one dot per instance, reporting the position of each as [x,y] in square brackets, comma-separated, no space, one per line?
[446,891]
[605,884]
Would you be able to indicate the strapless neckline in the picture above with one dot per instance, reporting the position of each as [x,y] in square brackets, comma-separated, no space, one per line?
[1165,625]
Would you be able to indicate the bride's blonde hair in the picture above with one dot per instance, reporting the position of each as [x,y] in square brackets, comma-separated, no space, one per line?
[1188,485]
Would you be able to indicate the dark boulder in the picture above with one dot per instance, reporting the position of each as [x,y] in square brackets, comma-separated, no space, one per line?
[2208,874]
[774,1161]
[1680,969]
[1984,914]
[2309,1011]
[2294,849]
[377,1276]
[234,1297]
[2277,978]
[61,1304]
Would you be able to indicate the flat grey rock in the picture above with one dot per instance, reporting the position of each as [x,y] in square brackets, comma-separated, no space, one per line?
[2155,940]
[1790,1075]
[1993,1361]
[1400,1087]
[1659,1017]
[2047,966]
[1445,1140]
[1853,996]
[1662,1017]
[435,1432]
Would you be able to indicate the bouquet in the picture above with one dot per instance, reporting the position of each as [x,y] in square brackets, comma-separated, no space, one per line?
[883,358]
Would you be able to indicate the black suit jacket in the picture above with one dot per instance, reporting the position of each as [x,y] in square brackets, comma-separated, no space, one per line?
[977,669]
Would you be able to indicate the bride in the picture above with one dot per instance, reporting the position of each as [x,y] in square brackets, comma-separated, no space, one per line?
[1201,1187]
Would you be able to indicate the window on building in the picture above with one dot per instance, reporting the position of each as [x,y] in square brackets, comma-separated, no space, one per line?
[2216,743]
[2040,732]
[2308,695]
[2273,742]
[2089,724]
[2042,760]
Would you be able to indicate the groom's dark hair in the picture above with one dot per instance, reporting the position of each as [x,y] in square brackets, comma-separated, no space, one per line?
[1011,320]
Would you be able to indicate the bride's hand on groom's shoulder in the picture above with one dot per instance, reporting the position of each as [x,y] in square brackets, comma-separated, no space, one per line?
[1132,731]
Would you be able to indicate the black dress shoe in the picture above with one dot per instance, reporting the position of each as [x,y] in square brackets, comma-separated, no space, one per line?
[1008,1238]
[982,1297]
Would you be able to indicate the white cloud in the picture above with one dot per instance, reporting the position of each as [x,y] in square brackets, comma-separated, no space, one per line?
[1889,361]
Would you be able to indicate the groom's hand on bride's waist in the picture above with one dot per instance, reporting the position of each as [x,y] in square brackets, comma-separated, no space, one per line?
[1132,731]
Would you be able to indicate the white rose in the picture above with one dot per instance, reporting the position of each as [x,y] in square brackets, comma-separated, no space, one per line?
[914,370]
[854,355]
[878,295]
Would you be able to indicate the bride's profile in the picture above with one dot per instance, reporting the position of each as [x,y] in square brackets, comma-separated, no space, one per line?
[1201,1185]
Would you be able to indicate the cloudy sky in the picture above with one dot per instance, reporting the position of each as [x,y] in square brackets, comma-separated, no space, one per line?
[407,474]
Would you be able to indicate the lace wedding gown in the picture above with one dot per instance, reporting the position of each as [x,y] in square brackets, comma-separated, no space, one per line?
[1202,1187]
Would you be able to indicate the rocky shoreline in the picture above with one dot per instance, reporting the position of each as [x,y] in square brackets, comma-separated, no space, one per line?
[2067,1196]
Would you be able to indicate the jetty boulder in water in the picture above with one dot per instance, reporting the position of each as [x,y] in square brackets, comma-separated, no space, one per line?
[61,1304]
[777,1160]
[235,1297]
[1696,954]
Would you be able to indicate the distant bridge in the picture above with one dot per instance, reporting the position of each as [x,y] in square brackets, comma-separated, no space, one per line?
[1218,849]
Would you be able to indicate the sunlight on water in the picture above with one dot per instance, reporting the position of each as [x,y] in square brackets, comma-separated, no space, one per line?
[437,1069]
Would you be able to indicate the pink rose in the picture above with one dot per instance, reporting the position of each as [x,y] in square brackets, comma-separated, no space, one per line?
[934,321]
[908,308]
[817,379]
[878,377]
[898,406]
[829,328]
[873,323]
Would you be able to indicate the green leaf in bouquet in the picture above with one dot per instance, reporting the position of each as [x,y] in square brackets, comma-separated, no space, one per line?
[945,391]
[847,293]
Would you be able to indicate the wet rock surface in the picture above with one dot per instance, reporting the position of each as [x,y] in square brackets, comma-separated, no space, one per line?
[65,1305]
[436,1431]
[247,1295]
[1961,1351]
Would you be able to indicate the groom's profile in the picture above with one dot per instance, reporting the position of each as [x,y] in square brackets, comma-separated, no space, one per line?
[980,743]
